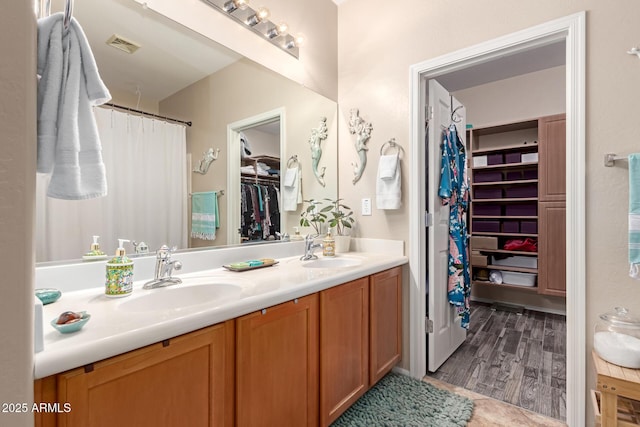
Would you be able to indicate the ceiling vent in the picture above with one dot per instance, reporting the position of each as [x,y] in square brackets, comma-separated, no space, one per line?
[123,44]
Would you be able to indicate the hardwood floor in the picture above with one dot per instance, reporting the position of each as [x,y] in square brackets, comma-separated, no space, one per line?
[518,359]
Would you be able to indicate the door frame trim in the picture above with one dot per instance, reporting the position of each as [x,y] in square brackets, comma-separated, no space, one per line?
[233,166]
[572,29]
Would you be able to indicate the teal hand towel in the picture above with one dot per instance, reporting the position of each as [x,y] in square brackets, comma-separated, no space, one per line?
[205,216]
[634,215]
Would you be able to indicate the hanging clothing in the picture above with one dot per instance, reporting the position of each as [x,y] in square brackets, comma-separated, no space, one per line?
[259,211]
[454,191]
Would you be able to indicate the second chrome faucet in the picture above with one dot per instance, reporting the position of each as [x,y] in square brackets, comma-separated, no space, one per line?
[164,269]
[309,247]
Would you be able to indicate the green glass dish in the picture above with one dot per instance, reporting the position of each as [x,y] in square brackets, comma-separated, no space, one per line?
[48,295]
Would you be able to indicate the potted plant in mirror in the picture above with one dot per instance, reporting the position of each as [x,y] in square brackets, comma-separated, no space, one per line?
[340,219]
[313,216]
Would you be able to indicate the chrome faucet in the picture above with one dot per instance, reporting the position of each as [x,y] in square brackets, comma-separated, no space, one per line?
[164,269]
[309,246]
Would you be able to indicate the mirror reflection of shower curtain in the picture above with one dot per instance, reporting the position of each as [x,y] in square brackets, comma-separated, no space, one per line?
[146,170]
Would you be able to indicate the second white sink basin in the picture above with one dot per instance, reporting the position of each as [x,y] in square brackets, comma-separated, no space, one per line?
[333,262]
[181,296]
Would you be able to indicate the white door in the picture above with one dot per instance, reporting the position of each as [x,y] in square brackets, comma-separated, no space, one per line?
[447,333]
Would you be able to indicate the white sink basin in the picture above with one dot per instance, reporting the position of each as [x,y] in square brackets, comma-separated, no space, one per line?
[333,262]
[180,296]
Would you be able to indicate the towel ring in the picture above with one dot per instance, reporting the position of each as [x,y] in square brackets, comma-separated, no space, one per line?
[293,160]
[392,144]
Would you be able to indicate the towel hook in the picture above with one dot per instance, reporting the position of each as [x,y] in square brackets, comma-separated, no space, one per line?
[68,13]
[392,144]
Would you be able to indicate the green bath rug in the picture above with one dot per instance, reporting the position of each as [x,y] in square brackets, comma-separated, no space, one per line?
[398,400]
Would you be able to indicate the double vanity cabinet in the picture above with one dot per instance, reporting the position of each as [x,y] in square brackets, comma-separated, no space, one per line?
[299,363]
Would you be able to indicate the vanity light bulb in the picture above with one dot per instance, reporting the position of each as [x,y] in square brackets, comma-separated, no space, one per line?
[241,4]
[263,13]
[282,28]
[299,39]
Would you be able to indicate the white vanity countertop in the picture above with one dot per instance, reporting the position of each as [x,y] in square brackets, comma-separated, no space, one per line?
[114,330]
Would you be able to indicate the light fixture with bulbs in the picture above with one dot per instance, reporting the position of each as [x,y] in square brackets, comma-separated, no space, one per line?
[257,20]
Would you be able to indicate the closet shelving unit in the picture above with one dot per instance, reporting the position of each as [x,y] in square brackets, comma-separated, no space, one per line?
[501,180]
[254,178]
[518,191]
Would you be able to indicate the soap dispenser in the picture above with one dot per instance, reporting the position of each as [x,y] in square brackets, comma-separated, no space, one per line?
[119,273]
[329,245]
[296,235]
[94,253]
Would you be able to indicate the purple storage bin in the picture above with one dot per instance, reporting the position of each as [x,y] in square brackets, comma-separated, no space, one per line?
[487,176]
[530,173]
[487,226]
[495,159]
[511,226]
[513,175]
[487,209]
[521,209]
[512,158]
[521,191]
[529,227]
[487,193]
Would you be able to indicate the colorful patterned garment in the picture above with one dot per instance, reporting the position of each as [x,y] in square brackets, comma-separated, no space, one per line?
[454,191]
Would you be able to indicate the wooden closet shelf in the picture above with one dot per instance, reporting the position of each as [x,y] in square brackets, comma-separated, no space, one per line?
[503,217]
[506,166]
[508,268]
[531,289]
[482,233]
[510,199]
[504,251]
[531,147]
[519,181]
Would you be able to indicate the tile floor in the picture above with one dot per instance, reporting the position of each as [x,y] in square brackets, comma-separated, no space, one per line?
[489,412]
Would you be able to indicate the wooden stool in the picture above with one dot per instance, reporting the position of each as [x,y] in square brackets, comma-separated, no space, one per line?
[614,381]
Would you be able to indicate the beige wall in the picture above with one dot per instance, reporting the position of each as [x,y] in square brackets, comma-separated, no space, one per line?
[17,202]
[373,75]
[528,96]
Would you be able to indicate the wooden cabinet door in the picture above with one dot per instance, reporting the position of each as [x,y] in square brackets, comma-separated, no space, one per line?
[185,381]
[277,365]
[385,314]
[344,347]
[552,158]
[552,248]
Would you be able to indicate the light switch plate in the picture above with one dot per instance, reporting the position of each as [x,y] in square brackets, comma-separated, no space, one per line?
[366,206]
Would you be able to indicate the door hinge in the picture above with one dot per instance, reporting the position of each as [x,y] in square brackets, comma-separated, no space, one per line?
[428,114]
[428,325]
[428,219]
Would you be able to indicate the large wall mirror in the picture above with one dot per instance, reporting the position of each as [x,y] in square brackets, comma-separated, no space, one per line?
[181,74]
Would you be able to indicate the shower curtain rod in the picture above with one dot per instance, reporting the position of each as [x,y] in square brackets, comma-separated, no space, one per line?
[144,113]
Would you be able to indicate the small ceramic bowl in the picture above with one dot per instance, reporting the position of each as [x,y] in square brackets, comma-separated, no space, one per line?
[48,295]
[68,328]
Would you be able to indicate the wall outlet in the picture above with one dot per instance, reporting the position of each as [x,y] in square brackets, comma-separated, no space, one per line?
[366,206]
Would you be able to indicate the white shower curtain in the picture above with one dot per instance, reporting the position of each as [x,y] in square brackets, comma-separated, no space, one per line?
[146,170]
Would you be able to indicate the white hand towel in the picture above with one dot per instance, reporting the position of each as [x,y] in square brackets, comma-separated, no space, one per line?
[292,195]
[387,166]
[68,141]
[290,177]
[388,190]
